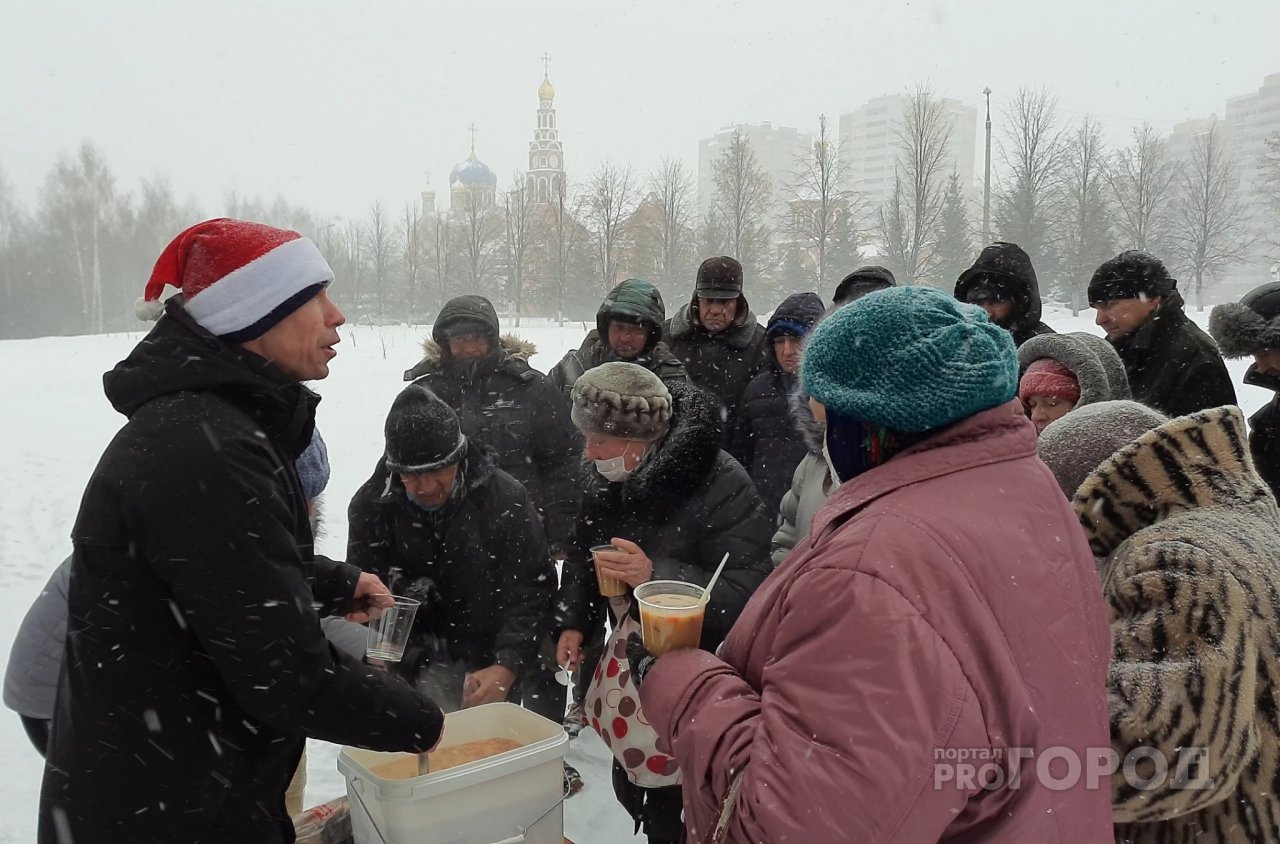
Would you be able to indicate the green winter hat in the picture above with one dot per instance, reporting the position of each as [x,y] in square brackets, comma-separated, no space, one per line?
[910,359]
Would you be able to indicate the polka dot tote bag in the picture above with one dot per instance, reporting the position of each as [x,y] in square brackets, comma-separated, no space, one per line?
[613,710]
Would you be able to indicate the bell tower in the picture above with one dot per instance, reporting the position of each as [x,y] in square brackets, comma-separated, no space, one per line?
[546,153]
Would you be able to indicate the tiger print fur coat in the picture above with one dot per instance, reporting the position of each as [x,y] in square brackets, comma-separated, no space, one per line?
[1188,536]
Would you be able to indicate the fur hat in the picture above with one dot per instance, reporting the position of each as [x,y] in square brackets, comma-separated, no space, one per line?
[1249,326]
[422,433]
[910,359]
[719,278]
[1078,443]
[1131,275]
[622,400]
[238,279]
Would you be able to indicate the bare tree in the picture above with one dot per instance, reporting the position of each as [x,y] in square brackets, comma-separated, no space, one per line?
[519,225]
[1033,153]
[1086,240]
[413,257]
[479,232]
[1141,179]
[565,241]
[743,195]
[1210,219]
[610,201]
[819,195]
[442,247]
[672,188]
[912,225]
[380,247]
[356,259]
[77,201]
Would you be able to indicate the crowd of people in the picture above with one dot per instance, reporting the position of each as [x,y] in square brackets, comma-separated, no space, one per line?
[948,533]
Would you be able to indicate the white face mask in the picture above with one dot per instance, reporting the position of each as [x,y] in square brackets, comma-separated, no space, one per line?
[831,467]
[614,470]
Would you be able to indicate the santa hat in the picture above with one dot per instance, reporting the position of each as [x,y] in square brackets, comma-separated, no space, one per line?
[238,279]
[1048,377]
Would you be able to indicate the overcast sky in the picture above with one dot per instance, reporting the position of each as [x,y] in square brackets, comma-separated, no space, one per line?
[335,104]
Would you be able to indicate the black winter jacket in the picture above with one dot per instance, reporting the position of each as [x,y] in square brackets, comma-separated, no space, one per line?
[195,664]
[1172,365]
[1264,431]
[765,439]
[686,505]
[511,407]
[723,363]
[484,552]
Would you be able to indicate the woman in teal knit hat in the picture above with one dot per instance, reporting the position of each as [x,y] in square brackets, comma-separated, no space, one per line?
[943,608]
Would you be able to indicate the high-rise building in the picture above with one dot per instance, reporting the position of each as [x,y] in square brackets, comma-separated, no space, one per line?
[777,149]
[546,152]
[870,144]
[1250,120]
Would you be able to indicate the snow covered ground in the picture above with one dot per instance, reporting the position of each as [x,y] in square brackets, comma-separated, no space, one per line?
[56,422]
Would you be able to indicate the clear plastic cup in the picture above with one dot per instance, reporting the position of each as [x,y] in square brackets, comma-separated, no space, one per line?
[671,613]
[610,587]
[389,632]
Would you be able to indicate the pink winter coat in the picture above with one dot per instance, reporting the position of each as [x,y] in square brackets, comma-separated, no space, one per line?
[944,603]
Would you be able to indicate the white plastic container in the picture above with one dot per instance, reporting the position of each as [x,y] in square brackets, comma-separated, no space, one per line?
[512,797]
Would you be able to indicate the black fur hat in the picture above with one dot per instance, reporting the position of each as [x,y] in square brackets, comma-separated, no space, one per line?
[1249,326]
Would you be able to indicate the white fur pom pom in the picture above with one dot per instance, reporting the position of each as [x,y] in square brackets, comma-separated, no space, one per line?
[148,311]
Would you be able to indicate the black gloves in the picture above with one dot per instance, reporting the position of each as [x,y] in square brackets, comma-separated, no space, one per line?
[639,659]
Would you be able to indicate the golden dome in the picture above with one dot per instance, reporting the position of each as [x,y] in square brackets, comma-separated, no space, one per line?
[546,91]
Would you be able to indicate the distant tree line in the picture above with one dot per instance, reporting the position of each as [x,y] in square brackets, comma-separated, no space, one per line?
[76,261]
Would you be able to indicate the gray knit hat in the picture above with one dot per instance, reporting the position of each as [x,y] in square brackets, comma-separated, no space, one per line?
[622,400]
[1078,443]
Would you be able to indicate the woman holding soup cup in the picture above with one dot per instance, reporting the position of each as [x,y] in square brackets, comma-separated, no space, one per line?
[671,504]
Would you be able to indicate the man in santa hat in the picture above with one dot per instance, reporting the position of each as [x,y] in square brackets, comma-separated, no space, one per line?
[195,664]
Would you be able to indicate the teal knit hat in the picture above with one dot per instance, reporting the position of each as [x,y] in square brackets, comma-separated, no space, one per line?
[910,359]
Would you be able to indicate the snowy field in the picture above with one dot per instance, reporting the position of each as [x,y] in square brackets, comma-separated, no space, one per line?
[56,422]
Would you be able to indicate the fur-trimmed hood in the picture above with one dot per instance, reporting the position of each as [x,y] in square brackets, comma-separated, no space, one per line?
[680,461]
[1249,326]
[1195,461]
[1091,359]
[510,348]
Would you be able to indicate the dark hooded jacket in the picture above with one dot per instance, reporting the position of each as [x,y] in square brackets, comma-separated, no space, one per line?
[506,404]
[195,664]
[1173,366]
[723,363]
[686,505]
[636,300]
[1006,268]
[1242,329]
[764,438]
[484,554]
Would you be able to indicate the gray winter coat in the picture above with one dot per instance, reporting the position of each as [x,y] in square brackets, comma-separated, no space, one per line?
[1190,540]
[35,660]
[1091,359]
[810,485]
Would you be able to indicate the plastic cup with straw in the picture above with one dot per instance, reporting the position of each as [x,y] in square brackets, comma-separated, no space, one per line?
[671,612]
